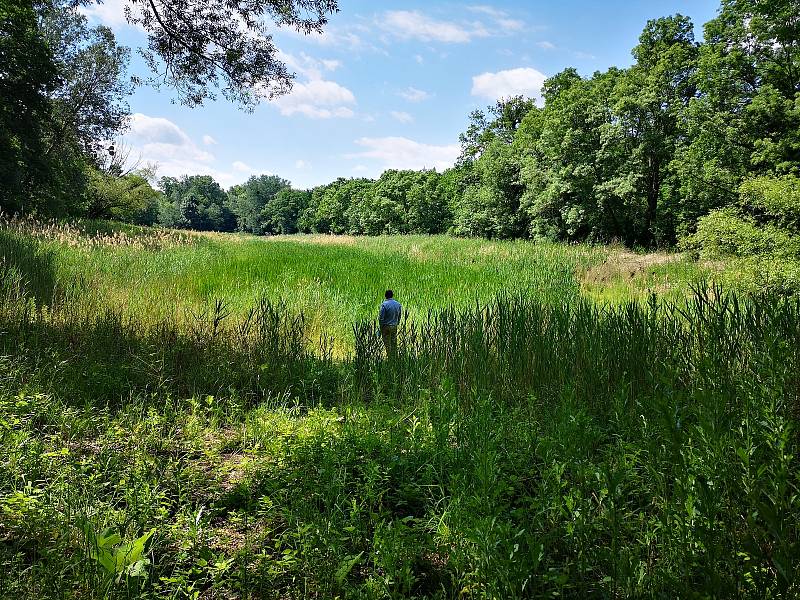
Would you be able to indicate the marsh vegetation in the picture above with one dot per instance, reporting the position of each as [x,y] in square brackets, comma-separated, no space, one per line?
[211,416]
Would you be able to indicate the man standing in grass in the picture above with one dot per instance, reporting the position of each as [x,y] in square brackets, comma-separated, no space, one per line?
[389,319]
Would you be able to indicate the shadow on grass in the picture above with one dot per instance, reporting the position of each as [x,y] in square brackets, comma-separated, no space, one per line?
[105,360]
[24,261]
[338,488]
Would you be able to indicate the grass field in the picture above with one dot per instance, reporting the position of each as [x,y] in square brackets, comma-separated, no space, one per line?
[334,280]
[186,416]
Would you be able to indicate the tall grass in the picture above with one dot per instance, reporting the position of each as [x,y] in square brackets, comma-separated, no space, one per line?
[524,442]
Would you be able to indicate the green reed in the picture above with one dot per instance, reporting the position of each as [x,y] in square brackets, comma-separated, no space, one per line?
[524,443]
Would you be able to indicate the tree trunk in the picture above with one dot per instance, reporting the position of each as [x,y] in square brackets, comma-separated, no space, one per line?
[653,192]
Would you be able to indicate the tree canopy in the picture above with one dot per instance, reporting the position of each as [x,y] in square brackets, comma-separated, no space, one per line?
[197,48]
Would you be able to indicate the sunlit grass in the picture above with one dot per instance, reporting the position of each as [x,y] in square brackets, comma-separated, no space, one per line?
[337,280]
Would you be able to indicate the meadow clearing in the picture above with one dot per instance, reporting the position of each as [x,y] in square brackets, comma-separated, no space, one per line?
[211,416]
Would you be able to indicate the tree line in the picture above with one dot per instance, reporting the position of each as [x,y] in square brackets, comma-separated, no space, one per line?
[641,155]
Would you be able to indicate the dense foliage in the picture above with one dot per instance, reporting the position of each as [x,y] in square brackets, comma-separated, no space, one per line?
[64,85]
[196,202]
[64,97]
[760,234]
[251,200]
[27,75]
[199,416]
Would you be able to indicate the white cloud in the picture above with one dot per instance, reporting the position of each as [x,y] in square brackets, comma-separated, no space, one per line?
[412,24]
[403,117]
[317,99]
[162,136]
[585,56]
[308,66]
[403,153]
[334,37]
[242,167]
[159,140]
[301,164]
[208,140]
[545,45]
[503,84]
[500,17]
[510,25]
[419,59]
[486,10]
[412,94]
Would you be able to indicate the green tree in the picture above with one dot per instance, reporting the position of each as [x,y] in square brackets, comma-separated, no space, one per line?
[28,74]
[382,207]
[650,101]
[331,206]
[59,130]
[491,207]
[90,105]
[491,172]
[195,202]
[499,121]
[428,201]
[281,214]
[250,200]
[744,119]
[198,47]
[129,198]
[571,154]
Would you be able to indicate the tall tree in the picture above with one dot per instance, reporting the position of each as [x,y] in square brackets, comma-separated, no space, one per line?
[572,152]
[428,201]
[27,75]
[281,214]
[650,102]
[249,201]
[745,118]
[491,206]
[500,121]
[330,208]
[90,106]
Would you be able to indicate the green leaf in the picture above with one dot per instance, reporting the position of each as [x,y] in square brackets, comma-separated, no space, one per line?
[139,568]
[347,565]
[130,553]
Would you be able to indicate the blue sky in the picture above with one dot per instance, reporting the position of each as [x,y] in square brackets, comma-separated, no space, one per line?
[389,85]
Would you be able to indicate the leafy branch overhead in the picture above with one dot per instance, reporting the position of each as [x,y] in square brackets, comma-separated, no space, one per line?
[227,45]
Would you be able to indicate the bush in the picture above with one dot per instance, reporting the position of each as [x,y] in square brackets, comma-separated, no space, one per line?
[129,198]
[760,235]
[775,198]
[726,233]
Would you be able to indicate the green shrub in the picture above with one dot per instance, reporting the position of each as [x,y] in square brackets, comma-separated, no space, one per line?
[777,198]
[760,238]
[728,232]
[129,198]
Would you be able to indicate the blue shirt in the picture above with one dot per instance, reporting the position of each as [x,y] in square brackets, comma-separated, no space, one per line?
[390,313]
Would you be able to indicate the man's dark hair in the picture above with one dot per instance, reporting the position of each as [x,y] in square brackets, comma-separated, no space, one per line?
[389,294]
